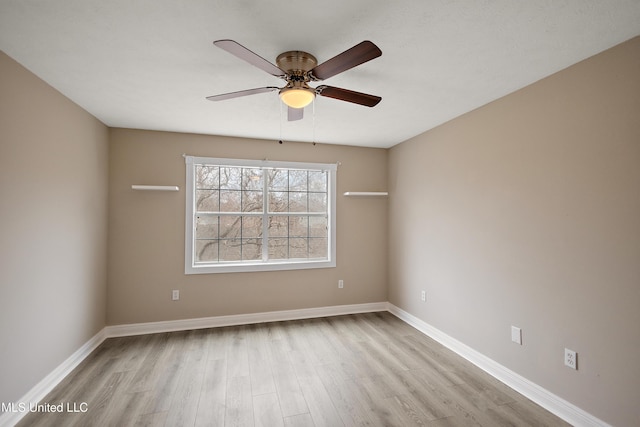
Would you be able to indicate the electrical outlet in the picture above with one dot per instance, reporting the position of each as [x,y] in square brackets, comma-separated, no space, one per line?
[340,284]
[175,295]
[516,335]
[571,358]
[423,296]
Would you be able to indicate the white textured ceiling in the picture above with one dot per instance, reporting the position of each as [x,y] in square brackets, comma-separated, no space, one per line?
[149,64]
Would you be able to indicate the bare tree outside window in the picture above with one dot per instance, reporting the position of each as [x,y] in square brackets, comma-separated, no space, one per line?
[260,214]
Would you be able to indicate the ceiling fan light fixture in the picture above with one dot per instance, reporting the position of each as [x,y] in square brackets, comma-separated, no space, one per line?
[298,68]
[297,97]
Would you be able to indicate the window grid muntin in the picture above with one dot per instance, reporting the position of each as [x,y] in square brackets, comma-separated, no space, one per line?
[266,213]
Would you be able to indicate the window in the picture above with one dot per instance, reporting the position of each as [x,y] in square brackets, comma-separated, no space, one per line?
[251,215]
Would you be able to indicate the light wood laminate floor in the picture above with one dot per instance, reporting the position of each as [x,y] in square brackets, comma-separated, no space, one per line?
[366,369]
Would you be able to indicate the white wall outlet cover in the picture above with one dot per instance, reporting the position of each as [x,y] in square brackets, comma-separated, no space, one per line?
[570,358]
[516,335]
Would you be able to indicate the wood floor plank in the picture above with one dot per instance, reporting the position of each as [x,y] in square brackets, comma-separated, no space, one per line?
[452,421]
[131,351]
[259,358]
[302,420]
[432,404]
[345,326]
[465,406]
[266,411]
[367,369]
[321,408]
[408,411]
[534,414]
[383,358]
[239,402]
[185,401]
[167,372]
[127,411]
[238,354]
[258,342]
[322,342]
[290,331]
[371,396]
[217,342]
[374,331]
[428,379]
[156,419]
[292,400]
[262,381]
[303,365]
[328,331]
[346,402]
[144,378]
[275,330]
[505,416]
[213,394]
[103,402]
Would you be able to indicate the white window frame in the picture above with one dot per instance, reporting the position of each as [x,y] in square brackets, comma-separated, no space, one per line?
[191,267]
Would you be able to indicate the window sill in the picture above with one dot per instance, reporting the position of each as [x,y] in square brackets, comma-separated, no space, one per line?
[256,267]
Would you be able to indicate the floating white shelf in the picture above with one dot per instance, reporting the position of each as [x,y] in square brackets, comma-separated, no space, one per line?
[366,194]
[155,187]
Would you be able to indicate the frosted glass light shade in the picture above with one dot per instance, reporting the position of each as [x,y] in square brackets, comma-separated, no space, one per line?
[297,98]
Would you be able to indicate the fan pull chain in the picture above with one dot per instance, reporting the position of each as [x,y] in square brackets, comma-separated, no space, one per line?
[280,121]
[313,125]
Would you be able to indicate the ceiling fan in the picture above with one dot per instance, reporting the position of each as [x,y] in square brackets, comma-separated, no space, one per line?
[298,69]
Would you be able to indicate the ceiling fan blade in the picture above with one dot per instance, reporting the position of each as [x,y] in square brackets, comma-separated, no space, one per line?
[348,95]
[294,114]
[240,93]
[359,54]
[254,59]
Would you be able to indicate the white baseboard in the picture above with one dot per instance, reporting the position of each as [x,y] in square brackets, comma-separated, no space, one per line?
[241,319]
[40,390]
[554,404]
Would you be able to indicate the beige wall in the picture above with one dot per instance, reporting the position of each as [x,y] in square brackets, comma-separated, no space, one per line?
[526,212]
[53,210]
[146,232]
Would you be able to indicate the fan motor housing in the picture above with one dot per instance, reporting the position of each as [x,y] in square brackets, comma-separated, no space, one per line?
[296,60]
